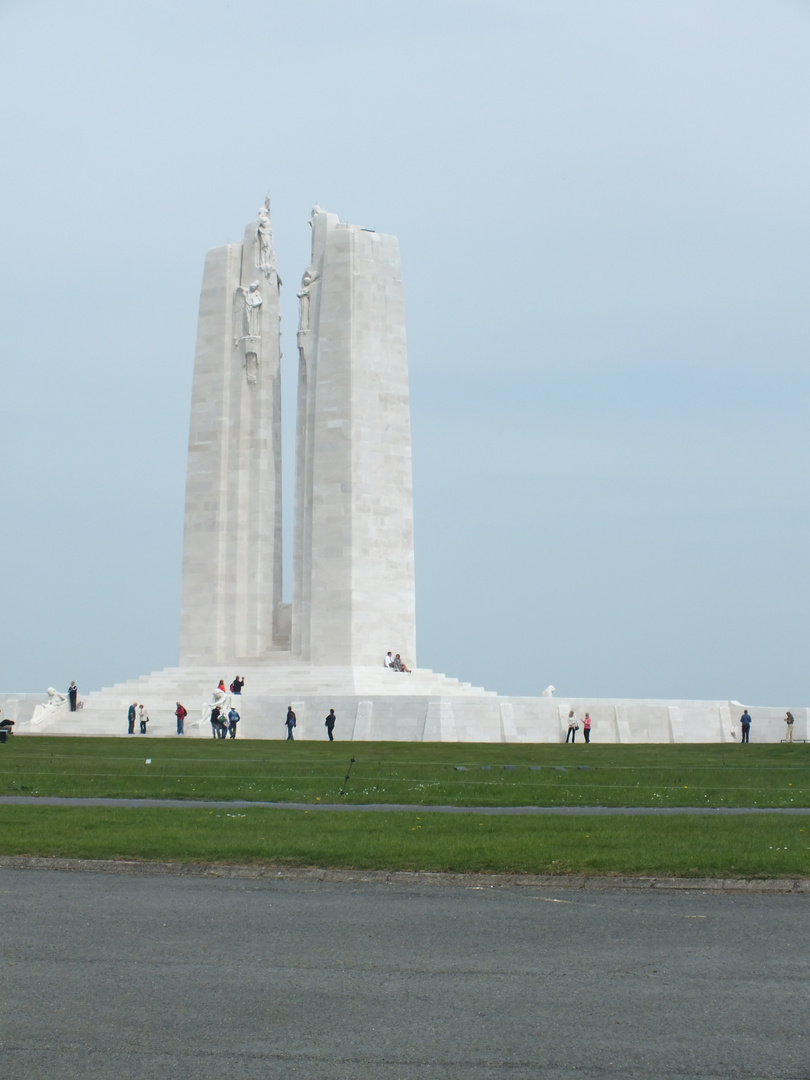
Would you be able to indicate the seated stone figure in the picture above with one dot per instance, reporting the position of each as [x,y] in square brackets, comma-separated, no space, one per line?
[50,709]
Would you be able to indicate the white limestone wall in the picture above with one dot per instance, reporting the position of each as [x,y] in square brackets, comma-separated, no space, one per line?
[425,707]
[231,587]
[354,596]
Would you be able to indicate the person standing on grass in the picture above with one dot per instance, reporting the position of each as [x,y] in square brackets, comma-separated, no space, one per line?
[745,724]
[131,719]
[181,714]
[586,727]
[789,721]
[233,720]
[330,725]
[290,722]
[573,727]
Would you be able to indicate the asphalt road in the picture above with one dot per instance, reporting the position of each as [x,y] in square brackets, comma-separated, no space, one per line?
[155,977]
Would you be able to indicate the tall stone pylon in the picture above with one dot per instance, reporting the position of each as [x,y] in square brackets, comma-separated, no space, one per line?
[353,567]
[231,590]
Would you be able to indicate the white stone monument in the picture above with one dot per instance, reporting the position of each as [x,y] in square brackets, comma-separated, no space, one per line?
[353,578]
[353,568]
[231,593]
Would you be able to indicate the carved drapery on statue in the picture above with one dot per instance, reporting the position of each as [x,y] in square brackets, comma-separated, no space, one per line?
[247,328]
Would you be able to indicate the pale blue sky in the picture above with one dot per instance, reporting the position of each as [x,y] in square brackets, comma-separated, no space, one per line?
[604,221]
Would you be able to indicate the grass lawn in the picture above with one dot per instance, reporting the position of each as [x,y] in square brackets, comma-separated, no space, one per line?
[418,773]
[461,774]
[750,846]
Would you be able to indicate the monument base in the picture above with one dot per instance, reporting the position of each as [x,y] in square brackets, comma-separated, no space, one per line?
[379,704]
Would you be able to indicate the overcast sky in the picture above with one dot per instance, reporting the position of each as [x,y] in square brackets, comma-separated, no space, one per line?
[605,230]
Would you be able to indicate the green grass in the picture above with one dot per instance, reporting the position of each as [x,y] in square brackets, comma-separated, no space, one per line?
[750,846]
[420,773]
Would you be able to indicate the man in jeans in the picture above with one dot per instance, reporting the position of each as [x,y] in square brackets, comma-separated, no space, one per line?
[290,722]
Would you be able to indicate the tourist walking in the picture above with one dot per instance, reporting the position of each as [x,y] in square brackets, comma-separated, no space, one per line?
[233,720]
[573,727]
[131,719]
[143,718]
[745,724]
[290,722]
[181,714]
[790,722]
[330,725]
[586,727]
[73,694]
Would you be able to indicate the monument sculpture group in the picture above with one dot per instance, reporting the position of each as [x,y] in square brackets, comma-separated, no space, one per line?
[353,542]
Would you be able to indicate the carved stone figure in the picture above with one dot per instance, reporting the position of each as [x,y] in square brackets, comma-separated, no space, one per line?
[247,302]
[247,327]
[265,256]
[49,709]
[307,282]
[303,300]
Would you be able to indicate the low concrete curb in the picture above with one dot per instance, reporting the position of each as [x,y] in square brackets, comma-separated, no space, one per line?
[408,877]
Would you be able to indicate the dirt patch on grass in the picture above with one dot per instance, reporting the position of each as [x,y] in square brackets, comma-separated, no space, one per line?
[408,877]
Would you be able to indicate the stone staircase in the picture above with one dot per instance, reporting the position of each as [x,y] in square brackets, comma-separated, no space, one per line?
[270,685]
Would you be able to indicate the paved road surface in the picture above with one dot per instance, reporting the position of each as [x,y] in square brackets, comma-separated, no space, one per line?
[599,811]
[153,977]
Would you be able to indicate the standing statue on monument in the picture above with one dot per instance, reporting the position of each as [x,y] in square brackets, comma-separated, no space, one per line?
[265,256]
[246,304]
[247,327]
[307,281]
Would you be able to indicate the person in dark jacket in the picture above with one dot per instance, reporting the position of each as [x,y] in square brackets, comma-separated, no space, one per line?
[745,724]
[290,722]
[131,719]
[73,694]
[330,725]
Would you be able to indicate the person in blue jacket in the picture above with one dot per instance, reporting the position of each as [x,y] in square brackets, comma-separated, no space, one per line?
[745,724]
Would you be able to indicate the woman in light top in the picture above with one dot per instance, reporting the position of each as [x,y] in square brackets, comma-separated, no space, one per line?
[573,727]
